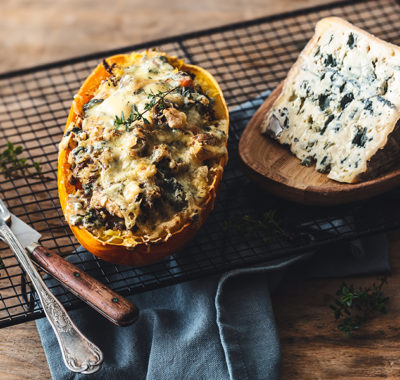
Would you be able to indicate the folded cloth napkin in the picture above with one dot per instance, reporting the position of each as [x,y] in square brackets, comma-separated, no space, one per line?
[220,327]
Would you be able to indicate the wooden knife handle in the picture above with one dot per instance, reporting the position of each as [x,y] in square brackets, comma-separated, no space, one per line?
[104,300]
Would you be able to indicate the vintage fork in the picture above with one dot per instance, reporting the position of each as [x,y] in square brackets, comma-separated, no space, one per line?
[79,354]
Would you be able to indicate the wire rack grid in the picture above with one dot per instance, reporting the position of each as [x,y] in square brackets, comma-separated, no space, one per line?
[248,59]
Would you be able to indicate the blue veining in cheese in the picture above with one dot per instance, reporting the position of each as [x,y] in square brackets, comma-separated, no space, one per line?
[340,101]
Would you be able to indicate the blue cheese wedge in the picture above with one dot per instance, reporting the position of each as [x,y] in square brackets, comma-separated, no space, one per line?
[340,103]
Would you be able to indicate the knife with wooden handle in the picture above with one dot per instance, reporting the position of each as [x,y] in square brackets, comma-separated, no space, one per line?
[110,304]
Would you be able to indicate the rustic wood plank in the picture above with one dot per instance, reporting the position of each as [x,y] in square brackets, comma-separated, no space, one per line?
[312,347]
[33,32]
[21,354]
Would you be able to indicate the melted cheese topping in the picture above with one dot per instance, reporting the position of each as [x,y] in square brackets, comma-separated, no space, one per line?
[145,153]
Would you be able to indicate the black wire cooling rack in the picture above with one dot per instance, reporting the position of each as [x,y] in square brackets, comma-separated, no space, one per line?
[248,59]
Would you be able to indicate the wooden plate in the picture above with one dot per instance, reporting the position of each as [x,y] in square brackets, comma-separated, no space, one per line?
[277,170]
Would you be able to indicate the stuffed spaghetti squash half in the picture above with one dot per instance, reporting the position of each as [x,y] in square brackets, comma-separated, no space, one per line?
[142,156]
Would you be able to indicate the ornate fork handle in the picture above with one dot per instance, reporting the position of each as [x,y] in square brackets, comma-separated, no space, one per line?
[79,354]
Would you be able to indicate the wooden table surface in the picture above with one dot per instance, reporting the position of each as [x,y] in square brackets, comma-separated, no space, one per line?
[33,32]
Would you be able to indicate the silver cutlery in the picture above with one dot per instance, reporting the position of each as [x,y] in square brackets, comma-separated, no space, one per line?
[104,300]
[79,354]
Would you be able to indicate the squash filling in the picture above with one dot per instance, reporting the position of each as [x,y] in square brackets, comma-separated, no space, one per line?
[143,153]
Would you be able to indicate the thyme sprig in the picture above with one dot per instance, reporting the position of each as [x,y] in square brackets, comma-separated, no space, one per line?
[121,121]
[156,99]
[353,307]
[268,225]
[12,166]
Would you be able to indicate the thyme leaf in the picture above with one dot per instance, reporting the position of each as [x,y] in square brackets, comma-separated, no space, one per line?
[268,225]
[121,121]
[12,166]
[353,307]
[155,100]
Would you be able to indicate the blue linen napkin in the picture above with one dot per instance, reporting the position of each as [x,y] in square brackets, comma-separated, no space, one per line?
[220,327]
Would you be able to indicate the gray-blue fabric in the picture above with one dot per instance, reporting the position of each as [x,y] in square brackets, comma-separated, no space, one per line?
[221,327]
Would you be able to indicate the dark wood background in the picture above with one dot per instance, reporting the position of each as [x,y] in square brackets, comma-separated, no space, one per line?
[38,31]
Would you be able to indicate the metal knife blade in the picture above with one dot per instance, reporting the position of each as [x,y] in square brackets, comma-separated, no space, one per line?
[78,352]
[110,304]
[25,233]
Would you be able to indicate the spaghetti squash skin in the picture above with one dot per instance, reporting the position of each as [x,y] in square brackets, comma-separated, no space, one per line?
[110,244]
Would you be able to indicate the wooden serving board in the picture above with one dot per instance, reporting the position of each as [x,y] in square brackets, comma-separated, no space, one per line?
[277,170]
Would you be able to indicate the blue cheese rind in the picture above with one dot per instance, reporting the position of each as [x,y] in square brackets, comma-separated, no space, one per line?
[340,102]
